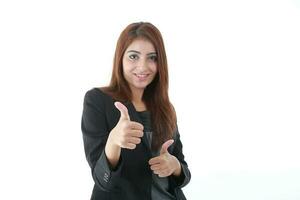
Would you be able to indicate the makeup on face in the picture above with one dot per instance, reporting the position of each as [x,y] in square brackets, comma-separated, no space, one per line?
[140,63]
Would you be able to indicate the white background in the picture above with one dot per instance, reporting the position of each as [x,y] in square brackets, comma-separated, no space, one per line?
[234,81]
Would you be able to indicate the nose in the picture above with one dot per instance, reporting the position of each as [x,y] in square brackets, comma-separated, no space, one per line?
[142,64]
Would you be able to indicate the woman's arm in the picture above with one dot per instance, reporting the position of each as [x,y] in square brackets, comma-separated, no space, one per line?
[95,135]
[184,176]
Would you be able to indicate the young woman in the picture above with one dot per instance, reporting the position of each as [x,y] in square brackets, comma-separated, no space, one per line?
[129,128]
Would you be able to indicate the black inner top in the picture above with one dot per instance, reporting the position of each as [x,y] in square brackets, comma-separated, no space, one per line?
[160,185]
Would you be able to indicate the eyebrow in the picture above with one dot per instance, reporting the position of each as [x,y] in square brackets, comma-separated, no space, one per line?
[134,51]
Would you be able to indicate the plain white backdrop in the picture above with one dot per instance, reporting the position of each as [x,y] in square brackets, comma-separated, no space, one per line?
[234,80]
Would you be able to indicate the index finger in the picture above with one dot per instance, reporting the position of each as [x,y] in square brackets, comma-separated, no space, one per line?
[155,160]
[136,125]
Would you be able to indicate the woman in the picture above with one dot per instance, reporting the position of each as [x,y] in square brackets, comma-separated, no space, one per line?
[129,128]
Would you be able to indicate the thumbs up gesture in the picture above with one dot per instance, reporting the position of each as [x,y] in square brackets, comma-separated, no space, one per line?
[165,164]
[126,134]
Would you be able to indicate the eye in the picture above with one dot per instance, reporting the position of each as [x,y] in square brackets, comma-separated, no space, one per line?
[133,57]
[153,58]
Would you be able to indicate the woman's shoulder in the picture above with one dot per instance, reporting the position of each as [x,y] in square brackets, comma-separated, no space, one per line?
[98,91]
[97,95]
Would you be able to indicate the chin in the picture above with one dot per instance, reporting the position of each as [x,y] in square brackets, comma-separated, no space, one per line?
[141,86]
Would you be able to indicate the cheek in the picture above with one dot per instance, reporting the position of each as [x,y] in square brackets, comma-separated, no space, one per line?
[127,67]
[153,68]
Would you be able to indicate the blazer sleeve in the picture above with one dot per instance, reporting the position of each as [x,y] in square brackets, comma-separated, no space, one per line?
[185,175]
[95,133]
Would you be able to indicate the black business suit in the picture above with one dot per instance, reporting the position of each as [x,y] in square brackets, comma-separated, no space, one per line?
[132,178]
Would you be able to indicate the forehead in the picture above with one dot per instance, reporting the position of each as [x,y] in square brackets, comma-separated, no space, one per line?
[141,45]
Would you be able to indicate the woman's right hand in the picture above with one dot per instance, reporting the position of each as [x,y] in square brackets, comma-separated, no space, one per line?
[126,134]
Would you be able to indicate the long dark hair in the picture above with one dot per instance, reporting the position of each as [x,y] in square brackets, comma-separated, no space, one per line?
[155,96]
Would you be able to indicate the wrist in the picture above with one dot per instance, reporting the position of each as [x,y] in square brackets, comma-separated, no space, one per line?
[112,152]
[177,170]
[110,144]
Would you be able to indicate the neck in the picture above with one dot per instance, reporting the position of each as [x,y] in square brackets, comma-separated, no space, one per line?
[137,95]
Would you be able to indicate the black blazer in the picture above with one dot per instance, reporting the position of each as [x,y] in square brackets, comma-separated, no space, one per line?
[131,179]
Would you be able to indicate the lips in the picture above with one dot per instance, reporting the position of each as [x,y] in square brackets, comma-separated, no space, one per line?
[141,75]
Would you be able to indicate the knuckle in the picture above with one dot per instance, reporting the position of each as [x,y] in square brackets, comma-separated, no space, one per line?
[126,126]
[122,144]
[123,140]
[140,134]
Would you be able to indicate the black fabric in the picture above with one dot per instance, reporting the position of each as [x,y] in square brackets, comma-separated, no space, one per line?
[132,178]
[160,185]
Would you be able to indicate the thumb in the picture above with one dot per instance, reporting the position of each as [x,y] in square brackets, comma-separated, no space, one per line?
[123,110]
[165,146]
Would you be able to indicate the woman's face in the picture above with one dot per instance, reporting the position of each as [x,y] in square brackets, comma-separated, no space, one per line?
[139,64]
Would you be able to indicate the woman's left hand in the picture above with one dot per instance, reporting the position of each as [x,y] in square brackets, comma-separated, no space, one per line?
[165,164]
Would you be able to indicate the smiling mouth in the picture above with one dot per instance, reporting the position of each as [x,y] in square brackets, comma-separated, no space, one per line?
[141,75]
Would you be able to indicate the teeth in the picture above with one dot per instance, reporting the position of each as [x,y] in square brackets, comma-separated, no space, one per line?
[141,75]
